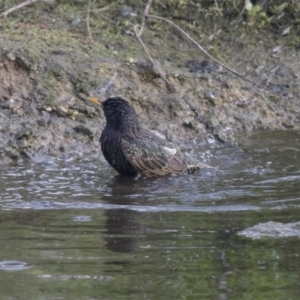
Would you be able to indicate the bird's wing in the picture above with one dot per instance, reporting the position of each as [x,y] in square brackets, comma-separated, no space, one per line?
[150,158]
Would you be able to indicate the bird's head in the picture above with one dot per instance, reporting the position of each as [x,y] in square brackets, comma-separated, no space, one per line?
[120,115]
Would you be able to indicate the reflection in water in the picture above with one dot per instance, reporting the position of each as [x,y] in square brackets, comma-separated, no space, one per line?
[120,224]
[76,230]
[120,228]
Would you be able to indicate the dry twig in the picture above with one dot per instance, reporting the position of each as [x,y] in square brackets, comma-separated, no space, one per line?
[88,20]
[211,57]
[218,9]
[146,13]
[191,39]
[104,89]
[97,10]
[9,11]
[170,86]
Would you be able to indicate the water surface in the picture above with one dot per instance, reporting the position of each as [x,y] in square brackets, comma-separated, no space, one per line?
[74,230]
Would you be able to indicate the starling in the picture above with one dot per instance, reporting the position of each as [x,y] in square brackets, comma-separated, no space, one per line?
[130,149]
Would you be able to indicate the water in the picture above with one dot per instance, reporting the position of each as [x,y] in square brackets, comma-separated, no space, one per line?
[73,230]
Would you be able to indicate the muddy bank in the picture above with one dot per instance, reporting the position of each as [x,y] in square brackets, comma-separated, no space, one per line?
[48,67]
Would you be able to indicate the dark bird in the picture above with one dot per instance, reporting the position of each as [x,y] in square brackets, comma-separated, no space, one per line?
[130,149]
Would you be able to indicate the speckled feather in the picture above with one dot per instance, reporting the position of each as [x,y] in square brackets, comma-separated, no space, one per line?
[129,149]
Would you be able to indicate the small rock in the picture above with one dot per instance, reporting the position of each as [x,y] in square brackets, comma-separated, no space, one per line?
[243,104]
[213,97]
[13,154]
[288,124]
[259,69]
[91,111]
[158,134]
[26,154]
[61,148]
[67,134]
[210,139]
[272,229]
[204,66]
[172,151]
[75,115]
[226,85]
[72,102]
[126,11]
[23,144]
[277,49]
[189,122]
[11,56]
[76,22]
[41,122]
[214,122]
[24,134]
[178,113]
[85,131]
[226,135]
[48,109]
[19,112]
[9,104]
[62,111]
[169,135]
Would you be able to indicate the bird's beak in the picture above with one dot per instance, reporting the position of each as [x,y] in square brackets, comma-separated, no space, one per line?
[94,100]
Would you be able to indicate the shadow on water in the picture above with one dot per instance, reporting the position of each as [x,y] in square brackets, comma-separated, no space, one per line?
[75,230]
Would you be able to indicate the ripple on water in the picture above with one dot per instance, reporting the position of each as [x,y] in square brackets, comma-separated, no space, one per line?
[242,179]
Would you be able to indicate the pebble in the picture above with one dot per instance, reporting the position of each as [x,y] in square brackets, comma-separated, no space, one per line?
[24,133]
[62,111]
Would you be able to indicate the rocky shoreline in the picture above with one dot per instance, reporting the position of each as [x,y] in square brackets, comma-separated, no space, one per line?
[44,85]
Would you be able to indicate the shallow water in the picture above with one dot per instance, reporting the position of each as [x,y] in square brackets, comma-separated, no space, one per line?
[74,230]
